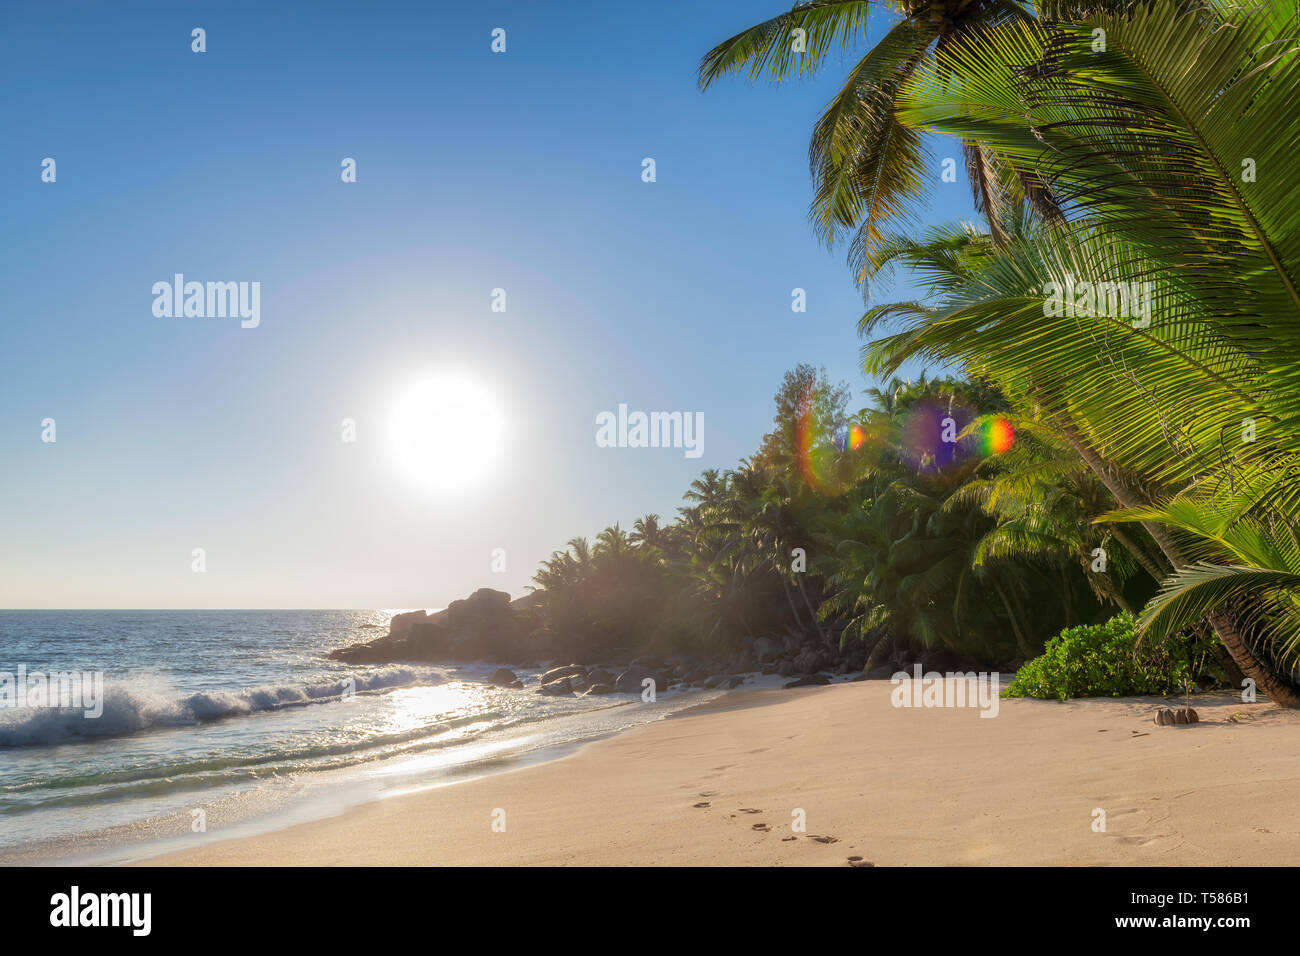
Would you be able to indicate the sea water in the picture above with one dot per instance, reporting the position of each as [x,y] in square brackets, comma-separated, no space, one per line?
[216,723]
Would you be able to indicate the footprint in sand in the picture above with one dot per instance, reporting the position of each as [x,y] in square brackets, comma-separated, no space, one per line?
[708,793]
[761,827]
[698,805]
[858,861]
[788,839]
[825,839]
[749,810]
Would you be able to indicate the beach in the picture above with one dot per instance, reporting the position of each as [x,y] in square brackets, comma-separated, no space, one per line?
[730,782]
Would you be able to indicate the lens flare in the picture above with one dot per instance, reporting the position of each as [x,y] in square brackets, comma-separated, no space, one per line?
[998,437]
[822,462]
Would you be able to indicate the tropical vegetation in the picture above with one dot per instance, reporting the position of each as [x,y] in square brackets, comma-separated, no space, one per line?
[1128,308]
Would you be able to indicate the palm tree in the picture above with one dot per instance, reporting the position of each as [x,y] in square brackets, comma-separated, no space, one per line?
[868,168]
[646,532]
[1144,141]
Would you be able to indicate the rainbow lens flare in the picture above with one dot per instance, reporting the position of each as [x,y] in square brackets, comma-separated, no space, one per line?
[998,435]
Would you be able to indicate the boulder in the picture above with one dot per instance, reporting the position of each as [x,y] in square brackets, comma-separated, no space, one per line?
[503,677]
[556,688]
[604,688]
[809,661]
[555,673]
[767,648]
[732,682]
[629,682]
[483,626]
[402,624]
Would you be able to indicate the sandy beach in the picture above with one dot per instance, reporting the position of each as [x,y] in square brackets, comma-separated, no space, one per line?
[725,784]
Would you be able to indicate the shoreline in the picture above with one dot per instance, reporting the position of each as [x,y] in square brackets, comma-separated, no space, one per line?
[726,782]
[312,797]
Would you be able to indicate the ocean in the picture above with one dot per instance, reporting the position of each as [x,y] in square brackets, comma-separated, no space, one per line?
[223,723]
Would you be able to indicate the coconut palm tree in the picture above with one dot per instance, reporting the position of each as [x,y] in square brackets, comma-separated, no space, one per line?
[869,170]
[1142,137]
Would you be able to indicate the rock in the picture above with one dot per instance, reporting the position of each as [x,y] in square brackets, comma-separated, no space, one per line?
[503,677]
[767,648]
[884,672]
[556,688]
[604,688]
[732,682]
[809,661]
[812,680]
[629,682]
[569,670]
[786,669]
[695,676]
[598,675]
[402,624]
[484,625]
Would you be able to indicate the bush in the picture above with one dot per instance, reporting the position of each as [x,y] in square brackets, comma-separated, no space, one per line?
[1105,660]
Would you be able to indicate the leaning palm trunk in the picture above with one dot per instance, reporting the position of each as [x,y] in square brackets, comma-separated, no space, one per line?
[812,615]
[1228,622]
[789,597]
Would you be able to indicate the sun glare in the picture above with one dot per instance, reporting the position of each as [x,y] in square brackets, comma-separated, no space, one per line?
[446,433]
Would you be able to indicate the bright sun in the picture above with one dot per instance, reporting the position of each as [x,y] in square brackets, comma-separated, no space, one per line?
[446,433]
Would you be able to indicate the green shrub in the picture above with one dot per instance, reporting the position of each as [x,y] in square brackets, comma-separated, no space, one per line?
[1105,660]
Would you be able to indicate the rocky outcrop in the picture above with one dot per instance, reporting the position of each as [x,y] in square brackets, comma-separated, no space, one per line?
[484,626]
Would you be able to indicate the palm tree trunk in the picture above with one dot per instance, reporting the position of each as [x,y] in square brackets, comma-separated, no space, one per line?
[811,613]
[1277,687]
[789,596]
[1140,555]
[1021,642]
[877,651]
[1066,596]
[1227,624]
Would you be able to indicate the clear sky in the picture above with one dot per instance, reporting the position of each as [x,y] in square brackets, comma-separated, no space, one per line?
[476,171]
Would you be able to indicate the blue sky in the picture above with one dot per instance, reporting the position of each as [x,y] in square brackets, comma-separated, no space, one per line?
[475,171]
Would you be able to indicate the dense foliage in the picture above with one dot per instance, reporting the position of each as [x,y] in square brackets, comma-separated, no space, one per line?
[1128,310]
[1133,294]
[1106,660]
[893,530]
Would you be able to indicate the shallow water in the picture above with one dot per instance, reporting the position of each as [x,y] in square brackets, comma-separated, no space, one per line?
[239,716]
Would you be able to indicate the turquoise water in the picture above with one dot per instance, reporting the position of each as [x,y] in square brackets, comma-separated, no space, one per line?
[207,706]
